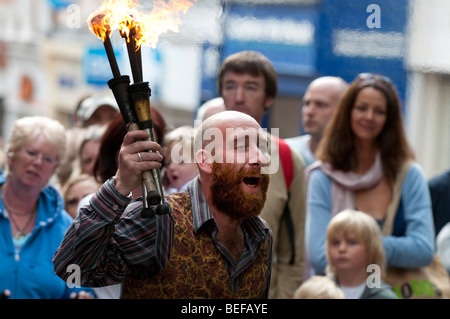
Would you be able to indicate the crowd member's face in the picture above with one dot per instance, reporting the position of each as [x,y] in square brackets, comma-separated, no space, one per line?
[76,194]
[245,93]
[368,114]
[238,186]
[180,170]
[319,103]
[347,253]
[34,164]
[89,155]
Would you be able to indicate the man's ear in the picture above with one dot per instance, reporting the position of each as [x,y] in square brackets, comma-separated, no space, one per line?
[204,161]
[268,102]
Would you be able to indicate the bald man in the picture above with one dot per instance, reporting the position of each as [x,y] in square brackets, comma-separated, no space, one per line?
[209,108]
[320,101]
[212,244]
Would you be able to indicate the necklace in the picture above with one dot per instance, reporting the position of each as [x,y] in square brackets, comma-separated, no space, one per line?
[21,232]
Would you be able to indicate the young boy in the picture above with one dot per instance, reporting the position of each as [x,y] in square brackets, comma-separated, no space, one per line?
[354,242]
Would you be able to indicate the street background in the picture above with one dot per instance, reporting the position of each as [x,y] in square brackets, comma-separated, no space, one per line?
[49,59]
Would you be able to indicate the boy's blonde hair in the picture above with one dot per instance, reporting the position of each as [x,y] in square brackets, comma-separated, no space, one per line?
[319,287]
[361,226]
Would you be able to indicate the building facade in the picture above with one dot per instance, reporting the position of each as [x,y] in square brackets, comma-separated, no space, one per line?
[49,59]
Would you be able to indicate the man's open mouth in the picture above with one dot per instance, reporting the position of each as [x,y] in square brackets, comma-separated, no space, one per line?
[251,182]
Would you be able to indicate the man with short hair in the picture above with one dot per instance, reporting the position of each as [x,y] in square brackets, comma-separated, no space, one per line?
[212,244]
[247,83]
[320,101]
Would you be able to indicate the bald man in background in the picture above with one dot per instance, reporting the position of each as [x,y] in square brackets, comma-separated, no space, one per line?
[320,101]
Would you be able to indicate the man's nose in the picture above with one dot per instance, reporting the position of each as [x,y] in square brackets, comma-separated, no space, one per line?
[257,156]
[308,109]
[240,94]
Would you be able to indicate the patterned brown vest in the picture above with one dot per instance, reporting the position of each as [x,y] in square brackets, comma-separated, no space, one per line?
[196,268]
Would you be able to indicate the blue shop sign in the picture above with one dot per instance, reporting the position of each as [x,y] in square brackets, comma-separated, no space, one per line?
[96,68]
[286,34]
[59,4]
[364,36]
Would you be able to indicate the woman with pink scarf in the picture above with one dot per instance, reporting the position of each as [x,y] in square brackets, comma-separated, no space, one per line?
[359,159]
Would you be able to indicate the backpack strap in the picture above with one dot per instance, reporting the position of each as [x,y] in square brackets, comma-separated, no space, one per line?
[388,224]
[288,170]
[286,161]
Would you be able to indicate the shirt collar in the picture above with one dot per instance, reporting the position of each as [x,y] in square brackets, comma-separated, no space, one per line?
[200,209]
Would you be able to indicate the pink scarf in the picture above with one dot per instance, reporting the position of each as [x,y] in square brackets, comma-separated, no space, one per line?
[346,183]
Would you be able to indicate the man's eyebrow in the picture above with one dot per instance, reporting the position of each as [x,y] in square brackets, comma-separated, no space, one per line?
[252,82]
[229,81]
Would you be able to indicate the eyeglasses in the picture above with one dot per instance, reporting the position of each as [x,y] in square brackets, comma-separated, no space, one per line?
[374,77]
[46,159]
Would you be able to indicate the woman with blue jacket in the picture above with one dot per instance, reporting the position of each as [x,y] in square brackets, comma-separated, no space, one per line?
[32,216]
[359,159]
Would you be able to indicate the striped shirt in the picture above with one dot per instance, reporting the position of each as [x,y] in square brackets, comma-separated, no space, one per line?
[109,239]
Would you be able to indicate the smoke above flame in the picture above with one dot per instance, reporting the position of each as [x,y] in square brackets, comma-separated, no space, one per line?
[145,28]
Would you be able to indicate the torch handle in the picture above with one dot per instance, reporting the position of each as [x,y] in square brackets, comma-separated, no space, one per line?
[149,187]
[152,195]
[140,96]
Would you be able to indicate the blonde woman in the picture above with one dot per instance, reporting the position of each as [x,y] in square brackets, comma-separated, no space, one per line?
[32,216]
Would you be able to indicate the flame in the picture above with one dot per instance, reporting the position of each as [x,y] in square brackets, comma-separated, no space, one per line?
[124,16]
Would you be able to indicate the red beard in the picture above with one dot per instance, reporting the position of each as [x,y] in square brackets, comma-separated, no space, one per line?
[228,195]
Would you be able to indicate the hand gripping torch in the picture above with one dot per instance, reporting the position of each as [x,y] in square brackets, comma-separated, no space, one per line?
[134,104]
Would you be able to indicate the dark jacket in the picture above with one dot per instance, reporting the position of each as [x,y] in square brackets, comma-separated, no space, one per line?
[440,199]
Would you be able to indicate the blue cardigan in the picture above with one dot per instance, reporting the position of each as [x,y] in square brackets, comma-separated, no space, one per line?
[30,275]
[411,245]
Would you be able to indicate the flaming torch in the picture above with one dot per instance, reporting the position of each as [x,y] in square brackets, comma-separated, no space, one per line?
[137,29]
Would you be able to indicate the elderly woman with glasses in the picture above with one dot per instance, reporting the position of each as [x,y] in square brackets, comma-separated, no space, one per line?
[32,216]
[360,158]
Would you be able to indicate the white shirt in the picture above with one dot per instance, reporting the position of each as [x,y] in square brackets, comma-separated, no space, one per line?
[353,292]
[301,145]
